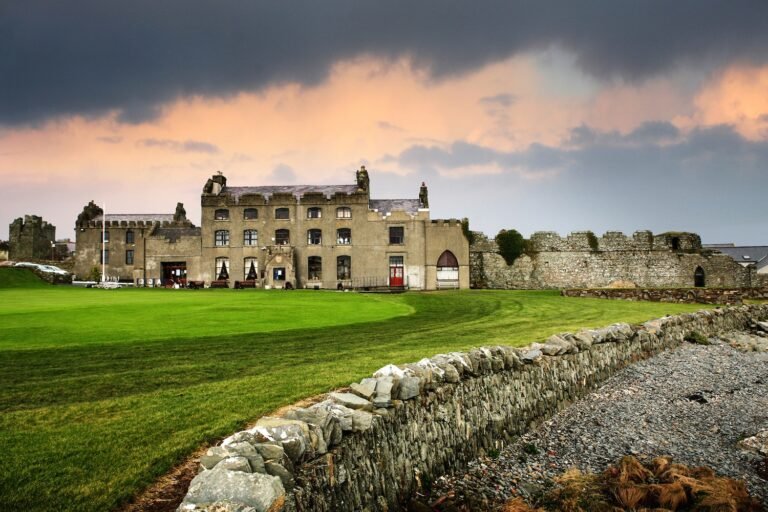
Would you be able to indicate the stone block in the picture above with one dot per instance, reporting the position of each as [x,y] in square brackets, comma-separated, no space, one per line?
[265,493]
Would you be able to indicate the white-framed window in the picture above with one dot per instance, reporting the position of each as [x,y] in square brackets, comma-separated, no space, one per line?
[343,212]
[314,212]
[251,269]
[343,267]
[314,237]
[222,269]
[221,237]
[343,236]
[282,237]
[314,268]
[250,237]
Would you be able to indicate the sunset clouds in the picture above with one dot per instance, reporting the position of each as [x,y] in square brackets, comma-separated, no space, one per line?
[503,109]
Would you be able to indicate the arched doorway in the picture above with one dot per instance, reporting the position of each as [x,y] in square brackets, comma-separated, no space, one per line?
[699,278]
[447,271]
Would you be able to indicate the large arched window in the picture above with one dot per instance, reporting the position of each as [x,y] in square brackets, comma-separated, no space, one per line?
[344,212]
[221,237]
[251,268]
[221,214]
[447,270]
[222,269]
[343,267]
[343,236]
[282,237]
[314,268]
[314,237]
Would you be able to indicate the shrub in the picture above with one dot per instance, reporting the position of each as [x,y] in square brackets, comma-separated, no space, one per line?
[468,233]
[95,274]
[697,338]
[511,245]
[592,240]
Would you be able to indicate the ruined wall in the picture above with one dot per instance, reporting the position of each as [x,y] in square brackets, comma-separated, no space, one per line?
[31,238]
[686,295]
[582,260]
[370,449]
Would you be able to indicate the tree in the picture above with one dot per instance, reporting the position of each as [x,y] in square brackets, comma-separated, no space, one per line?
[511,245]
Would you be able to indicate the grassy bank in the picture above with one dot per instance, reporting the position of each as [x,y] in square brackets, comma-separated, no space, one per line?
[101,391]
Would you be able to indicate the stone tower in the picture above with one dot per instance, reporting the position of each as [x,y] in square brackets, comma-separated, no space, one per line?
[31,238]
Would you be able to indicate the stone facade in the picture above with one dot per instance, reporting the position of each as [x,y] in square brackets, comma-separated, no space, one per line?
[372,448]
[332,236]
[582,260]
[686,295]
[31,238]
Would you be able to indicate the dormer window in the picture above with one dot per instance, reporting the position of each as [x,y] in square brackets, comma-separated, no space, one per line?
[221,214]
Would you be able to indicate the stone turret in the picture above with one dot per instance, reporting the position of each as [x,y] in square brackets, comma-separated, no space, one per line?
[423,196]
[214,185]
[181,214]
[31,238]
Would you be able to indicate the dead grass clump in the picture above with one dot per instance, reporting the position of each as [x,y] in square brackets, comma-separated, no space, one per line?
[631,486]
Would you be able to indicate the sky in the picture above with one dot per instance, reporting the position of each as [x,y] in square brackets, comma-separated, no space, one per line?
[546,115]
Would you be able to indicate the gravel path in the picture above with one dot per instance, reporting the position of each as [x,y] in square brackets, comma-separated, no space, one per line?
[694,403]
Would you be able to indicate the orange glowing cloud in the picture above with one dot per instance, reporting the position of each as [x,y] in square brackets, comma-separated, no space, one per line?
[737,96]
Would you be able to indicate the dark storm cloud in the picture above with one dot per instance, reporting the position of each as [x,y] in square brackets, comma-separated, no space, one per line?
[711,181]
[187,146]
[89,57]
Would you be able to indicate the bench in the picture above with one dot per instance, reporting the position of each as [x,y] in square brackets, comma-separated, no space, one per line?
[220,283]
[195,285]
[248,283]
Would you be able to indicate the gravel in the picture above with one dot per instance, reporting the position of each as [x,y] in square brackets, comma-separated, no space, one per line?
[694,403]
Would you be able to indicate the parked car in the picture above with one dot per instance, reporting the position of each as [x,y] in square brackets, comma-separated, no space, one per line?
[49,269]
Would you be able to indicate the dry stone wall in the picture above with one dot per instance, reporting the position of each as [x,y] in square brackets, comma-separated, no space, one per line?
[371,447]
[582,260]
[687,295]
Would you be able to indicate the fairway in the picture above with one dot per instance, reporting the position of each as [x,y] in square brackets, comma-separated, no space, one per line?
[102,391]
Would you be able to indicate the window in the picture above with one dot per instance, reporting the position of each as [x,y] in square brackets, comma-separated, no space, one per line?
[278,274]
[222,269]
[343,236]
[314,212]
[396,235]
[221,237]
[282,237]
[343,267]
[250,214]
[106,237]
[396,261]
[344,212]
[251,268]
[250,237]
[282,213]
[314,237]
[129,237]
[314,267]
[104,256]
[129,257]
[221,214]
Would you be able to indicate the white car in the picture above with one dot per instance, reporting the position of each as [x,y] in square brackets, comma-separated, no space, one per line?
[48,269]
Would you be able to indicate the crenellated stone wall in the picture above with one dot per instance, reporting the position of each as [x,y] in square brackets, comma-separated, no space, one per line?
[371,447]
[582,260]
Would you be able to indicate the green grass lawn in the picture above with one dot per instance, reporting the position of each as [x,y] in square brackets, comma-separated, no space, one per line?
[102,391]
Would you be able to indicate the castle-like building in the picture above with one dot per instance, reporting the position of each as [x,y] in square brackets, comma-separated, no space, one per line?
[319,236]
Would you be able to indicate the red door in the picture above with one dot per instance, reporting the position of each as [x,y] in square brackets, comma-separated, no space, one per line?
[395,276]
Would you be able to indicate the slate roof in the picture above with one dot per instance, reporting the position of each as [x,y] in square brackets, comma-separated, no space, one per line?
[173,233]
[296,190]
[384,206]
[136,217]
[747,254]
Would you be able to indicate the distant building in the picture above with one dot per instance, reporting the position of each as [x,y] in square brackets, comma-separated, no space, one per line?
[31,238]
[4,246]
[745,255]
[315,236]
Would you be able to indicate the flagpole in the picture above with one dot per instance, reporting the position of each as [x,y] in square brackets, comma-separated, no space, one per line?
[104,245]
